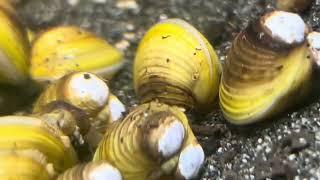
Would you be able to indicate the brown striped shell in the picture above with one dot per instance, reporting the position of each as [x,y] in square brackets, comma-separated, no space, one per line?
[267,64]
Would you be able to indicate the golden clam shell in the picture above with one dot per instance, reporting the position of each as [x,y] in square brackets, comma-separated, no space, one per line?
[62,50]
[28,133]
[138,144]
[176,65]
[24,164]
[14,49]
[267,69]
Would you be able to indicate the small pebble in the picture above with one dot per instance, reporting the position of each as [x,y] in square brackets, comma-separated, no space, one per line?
[127,4]
[122,45]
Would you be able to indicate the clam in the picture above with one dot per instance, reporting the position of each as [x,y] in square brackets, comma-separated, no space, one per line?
[79,104]
[65,49]
[24,164]
[39,139]
[14,48]
[83,90]
[152,141]
[267,69]
[176,65]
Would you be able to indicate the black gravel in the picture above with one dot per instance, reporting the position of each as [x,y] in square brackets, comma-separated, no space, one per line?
[286,147]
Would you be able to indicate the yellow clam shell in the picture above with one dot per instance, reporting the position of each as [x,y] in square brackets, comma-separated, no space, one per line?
[128,146]
[176,65]
[62,50]
[14,49]
[24,164]
[266,73]
[27,133]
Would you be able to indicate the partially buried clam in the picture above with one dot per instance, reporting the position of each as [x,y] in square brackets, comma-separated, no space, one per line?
[152,141]
[268,68]
[62,50]
[176,65]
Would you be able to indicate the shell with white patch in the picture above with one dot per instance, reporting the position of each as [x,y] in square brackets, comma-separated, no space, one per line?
[83,90]
[147,143]
[175,64]
[267,65]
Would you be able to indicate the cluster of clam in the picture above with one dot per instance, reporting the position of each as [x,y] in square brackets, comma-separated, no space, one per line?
[76,109]
[175,69]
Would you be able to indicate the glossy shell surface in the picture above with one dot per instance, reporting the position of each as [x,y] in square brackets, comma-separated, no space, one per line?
[14,49]
[176,65]
[27,165]
[62,50]
[264,75]
[27,133]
